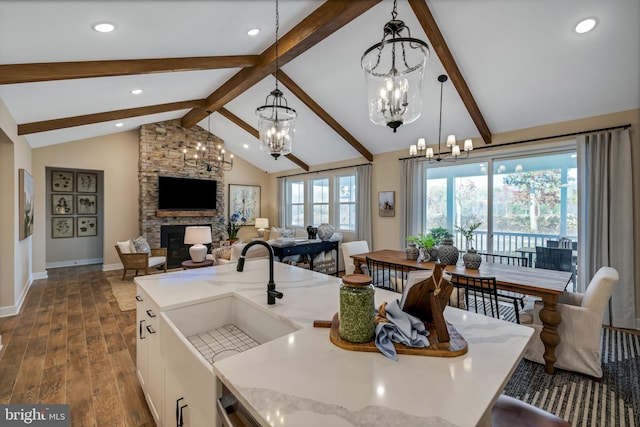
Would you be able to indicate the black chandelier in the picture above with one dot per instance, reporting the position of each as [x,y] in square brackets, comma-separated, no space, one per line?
[394,70]
[209,156]
[449,156]
[276,120]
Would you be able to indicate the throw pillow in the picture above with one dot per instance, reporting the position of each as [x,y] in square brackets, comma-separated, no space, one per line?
[275,233]
[141,246]
[224,253]
[126,247]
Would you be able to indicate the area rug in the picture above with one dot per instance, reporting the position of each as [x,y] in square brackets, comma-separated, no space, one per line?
[124,291]
[579,399]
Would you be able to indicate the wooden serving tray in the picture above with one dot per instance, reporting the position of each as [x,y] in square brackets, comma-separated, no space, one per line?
[456,346]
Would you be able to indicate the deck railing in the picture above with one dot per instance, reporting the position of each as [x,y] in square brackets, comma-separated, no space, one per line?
[505,243]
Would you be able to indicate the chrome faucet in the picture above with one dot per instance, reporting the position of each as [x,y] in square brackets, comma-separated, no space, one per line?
[272,294]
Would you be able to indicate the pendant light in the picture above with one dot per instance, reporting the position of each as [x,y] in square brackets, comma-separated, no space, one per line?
[449,156]
[276,120]
[394,69]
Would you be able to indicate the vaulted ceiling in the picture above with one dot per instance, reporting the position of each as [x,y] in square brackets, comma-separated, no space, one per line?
[512,65]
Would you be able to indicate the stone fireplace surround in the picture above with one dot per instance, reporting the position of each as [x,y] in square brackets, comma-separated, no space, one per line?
[160,153]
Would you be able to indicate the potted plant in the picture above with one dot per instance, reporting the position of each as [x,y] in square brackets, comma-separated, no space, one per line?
[439,234]
[424,242]
[232,226]
[471,258]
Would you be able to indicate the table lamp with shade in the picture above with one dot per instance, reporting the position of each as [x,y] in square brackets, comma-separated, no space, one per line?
[261,224]
[197,236]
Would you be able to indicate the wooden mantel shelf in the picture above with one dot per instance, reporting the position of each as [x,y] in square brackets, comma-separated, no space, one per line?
[171,213]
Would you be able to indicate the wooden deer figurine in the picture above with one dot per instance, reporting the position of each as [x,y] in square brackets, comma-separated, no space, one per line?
[427,300]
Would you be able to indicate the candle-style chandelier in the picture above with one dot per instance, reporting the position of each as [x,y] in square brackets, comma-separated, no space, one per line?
[208,155]
[450,156]
[276,120]
[394,70]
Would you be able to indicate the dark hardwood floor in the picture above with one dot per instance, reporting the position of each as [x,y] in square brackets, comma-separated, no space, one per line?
[72,344]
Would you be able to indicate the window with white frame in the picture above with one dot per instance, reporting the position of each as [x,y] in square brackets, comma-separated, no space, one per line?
[319,201]
[295,203]
[328,199]
[347,202]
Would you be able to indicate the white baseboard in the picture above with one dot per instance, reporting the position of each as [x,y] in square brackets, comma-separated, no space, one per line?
[109,267]
[74,262]
[39,275]
[12,310]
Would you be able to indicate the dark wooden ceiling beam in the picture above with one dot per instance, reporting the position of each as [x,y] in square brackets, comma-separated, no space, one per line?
[430,27]
[320,112]
[321,23]
[254,132]
[87,119]
[47,71]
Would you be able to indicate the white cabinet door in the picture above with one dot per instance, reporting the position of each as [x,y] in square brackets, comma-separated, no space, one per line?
[189,377]
[148,359]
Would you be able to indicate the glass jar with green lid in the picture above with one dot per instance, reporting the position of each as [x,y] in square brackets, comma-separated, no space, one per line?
[356,308]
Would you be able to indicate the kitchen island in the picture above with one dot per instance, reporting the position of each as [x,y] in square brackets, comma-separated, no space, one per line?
[302,379]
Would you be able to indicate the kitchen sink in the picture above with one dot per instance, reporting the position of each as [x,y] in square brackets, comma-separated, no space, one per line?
[225,326]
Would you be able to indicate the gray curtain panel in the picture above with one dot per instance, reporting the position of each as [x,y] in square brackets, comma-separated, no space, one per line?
[411,199]
[363,204]
[281,201]
[605,218]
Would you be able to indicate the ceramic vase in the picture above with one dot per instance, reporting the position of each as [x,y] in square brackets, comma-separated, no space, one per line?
[312,232]
[433,253]
[472,259]
[447,253]
[325,231]
[412,252]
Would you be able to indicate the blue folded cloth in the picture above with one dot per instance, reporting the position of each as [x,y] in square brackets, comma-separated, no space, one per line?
[402,328]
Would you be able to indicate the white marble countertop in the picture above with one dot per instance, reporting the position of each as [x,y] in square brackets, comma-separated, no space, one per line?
[302,379]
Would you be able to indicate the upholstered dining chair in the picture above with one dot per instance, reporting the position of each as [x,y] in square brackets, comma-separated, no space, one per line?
[580,328]
[509,412]
[353,248]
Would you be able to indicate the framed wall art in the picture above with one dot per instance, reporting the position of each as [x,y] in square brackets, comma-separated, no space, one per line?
[86,204]
[87,226]
[244,200]
[25,204]
[61,227]
[87,182]
[386,203]
[61,204]
[61,181]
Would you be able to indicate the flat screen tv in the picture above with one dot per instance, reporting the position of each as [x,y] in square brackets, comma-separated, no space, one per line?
[186,193]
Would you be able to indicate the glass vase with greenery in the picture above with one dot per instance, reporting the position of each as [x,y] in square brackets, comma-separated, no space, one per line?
[468,232]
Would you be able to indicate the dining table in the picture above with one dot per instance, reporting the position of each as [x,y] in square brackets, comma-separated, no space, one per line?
[545,284]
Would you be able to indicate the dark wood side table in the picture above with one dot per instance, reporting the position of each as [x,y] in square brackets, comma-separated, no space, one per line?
[189,264]
[309,247]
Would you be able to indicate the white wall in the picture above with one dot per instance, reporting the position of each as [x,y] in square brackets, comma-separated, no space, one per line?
[16,154]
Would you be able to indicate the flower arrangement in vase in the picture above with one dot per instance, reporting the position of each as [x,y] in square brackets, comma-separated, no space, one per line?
[232,226]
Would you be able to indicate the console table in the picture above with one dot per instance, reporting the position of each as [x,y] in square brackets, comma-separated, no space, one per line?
[307,247]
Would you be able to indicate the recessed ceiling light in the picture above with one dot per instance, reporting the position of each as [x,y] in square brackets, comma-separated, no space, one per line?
[103,27]
[586,25]
[245,146]
[253,32]
[136,91]
[119,125]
